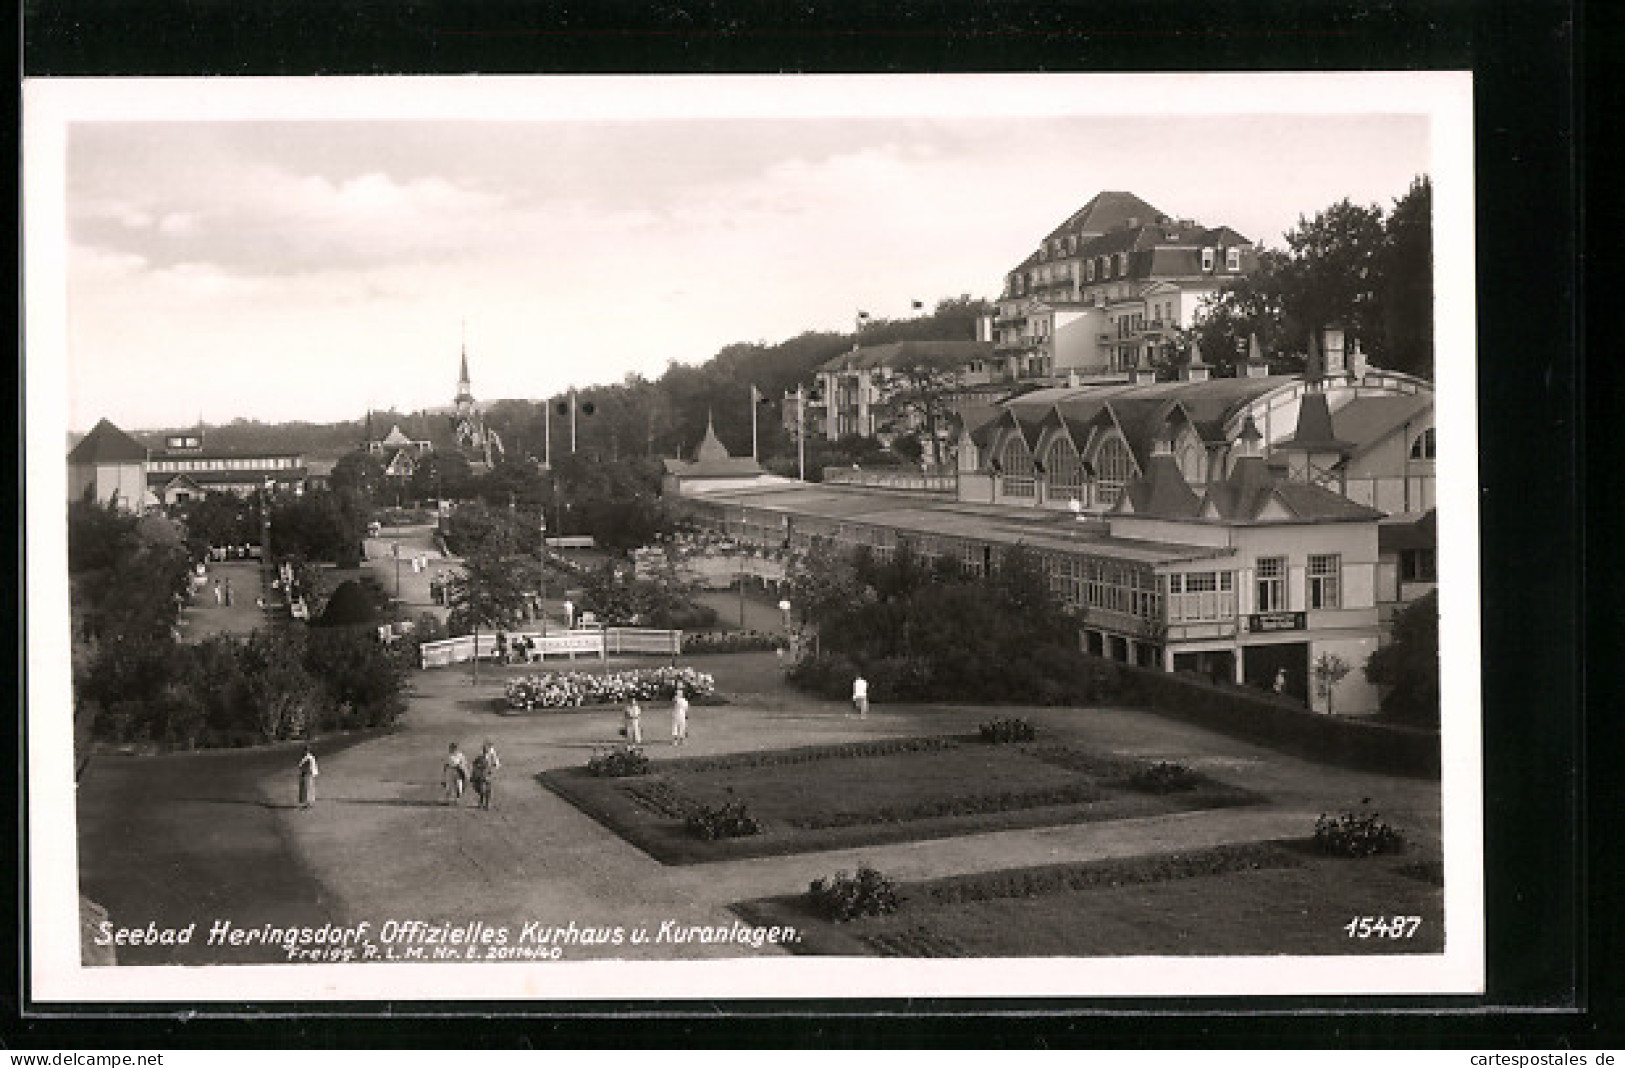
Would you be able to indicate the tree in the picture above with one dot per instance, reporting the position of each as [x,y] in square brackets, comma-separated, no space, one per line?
[1407,668]
[918,394]
[493,586]
[361,472]
[441,476]
[281,695]
[1407,283]
[1224,323]
[319,525]
[1329,670]
[1332,273]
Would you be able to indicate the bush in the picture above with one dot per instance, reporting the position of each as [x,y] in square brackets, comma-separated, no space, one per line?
[1007,729]
[731,819]
[846,897]
[618,763]
[1164,777]
[683,617]
[1356,834]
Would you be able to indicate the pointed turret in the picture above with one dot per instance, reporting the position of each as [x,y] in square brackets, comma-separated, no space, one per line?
[1257,366]
[1196,370]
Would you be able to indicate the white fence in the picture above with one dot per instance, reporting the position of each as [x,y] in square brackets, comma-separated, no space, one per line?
[569,643]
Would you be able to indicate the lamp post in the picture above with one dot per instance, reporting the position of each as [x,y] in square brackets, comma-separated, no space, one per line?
[395,548]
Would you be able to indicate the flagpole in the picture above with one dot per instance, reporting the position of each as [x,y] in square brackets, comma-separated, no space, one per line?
[547,431]
[572,421]
[753,453]
[801,430]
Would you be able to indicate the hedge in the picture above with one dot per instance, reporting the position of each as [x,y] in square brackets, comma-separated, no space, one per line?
[1281,723]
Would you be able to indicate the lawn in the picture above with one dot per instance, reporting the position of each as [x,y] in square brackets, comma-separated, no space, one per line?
[1232,900]
[864,793]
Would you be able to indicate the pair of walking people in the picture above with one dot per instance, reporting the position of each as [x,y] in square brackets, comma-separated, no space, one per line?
[458,773]
[679,720]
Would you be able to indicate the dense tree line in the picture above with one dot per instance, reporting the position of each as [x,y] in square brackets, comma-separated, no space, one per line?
[1369,270]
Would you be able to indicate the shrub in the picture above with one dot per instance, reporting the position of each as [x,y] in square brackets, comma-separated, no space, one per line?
[731,819]
[1007,729]
[572,689]
[1164,777]
[1356,834]
[619,762]
[845,897]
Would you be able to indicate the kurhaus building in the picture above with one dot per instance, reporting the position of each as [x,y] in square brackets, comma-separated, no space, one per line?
[1243,528]
[112,467]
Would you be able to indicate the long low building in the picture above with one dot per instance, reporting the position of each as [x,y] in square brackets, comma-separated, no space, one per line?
[1206,545]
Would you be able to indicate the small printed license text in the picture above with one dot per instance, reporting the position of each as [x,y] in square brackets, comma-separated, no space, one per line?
[1383,926]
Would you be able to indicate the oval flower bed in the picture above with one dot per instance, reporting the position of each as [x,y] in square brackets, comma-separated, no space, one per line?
[571,689]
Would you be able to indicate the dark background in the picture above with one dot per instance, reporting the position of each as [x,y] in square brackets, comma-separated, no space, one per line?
[1554,877]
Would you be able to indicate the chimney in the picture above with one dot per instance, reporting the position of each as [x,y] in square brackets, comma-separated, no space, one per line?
[1334,363]
[1256,366]
[1072,378]
[1195,370]
[1357,364]
[984,328]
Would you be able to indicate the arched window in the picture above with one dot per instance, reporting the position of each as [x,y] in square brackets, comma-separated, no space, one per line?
[1016,461]
[1114,468]
[1065,469]
[1192,458]
[1423,447]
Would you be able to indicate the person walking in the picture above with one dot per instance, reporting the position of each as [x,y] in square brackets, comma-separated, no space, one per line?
[456,773]
[634,723]
[860,696]
[485,774]
[217,593]
[679,717]
[228,593]
[307,778]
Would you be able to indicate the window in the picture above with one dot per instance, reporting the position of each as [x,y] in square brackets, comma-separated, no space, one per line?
[1114,467]
[1207,259]
[1423,447]
[1122,264]
[1017,462]
[1091,270]
[1065,469]
[1271,575]
[1232,259]
[1203,595]
[1325,579]
[1419,565]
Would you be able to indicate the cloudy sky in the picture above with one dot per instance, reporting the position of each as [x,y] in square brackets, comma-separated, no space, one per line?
[308,268]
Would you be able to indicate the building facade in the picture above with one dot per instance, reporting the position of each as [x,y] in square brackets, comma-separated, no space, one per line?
[185,469]
[109,467]
[1108,289]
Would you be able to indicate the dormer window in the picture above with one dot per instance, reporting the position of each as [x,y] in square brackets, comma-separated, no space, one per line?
[1232,259]
[1207,259]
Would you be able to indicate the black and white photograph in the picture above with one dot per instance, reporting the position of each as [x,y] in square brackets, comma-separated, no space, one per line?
[870,536]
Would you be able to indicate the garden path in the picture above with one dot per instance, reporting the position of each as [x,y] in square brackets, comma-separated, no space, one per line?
[382,844]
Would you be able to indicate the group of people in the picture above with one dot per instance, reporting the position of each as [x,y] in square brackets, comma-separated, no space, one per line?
[517,651]
[481,773]
[679,720]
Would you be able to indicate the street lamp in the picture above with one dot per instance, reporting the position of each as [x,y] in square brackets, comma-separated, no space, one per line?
[395,548]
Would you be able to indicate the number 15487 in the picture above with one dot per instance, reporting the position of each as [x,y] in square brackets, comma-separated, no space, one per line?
[1382,926]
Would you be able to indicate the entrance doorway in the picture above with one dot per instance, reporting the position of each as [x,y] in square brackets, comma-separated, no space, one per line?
[1263,662]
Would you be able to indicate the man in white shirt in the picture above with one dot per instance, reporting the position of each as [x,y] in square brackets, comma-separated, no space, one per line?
[860,696]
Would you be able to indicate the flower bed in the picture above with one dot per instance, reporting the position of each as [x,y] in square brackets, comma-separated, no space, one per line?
[571,689]
[732,641]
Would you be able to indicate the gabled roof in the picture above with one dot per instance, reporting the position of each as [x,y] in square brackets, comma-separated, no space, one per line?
[107,444]
[1308,501]
[395,438]
[1163,493]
